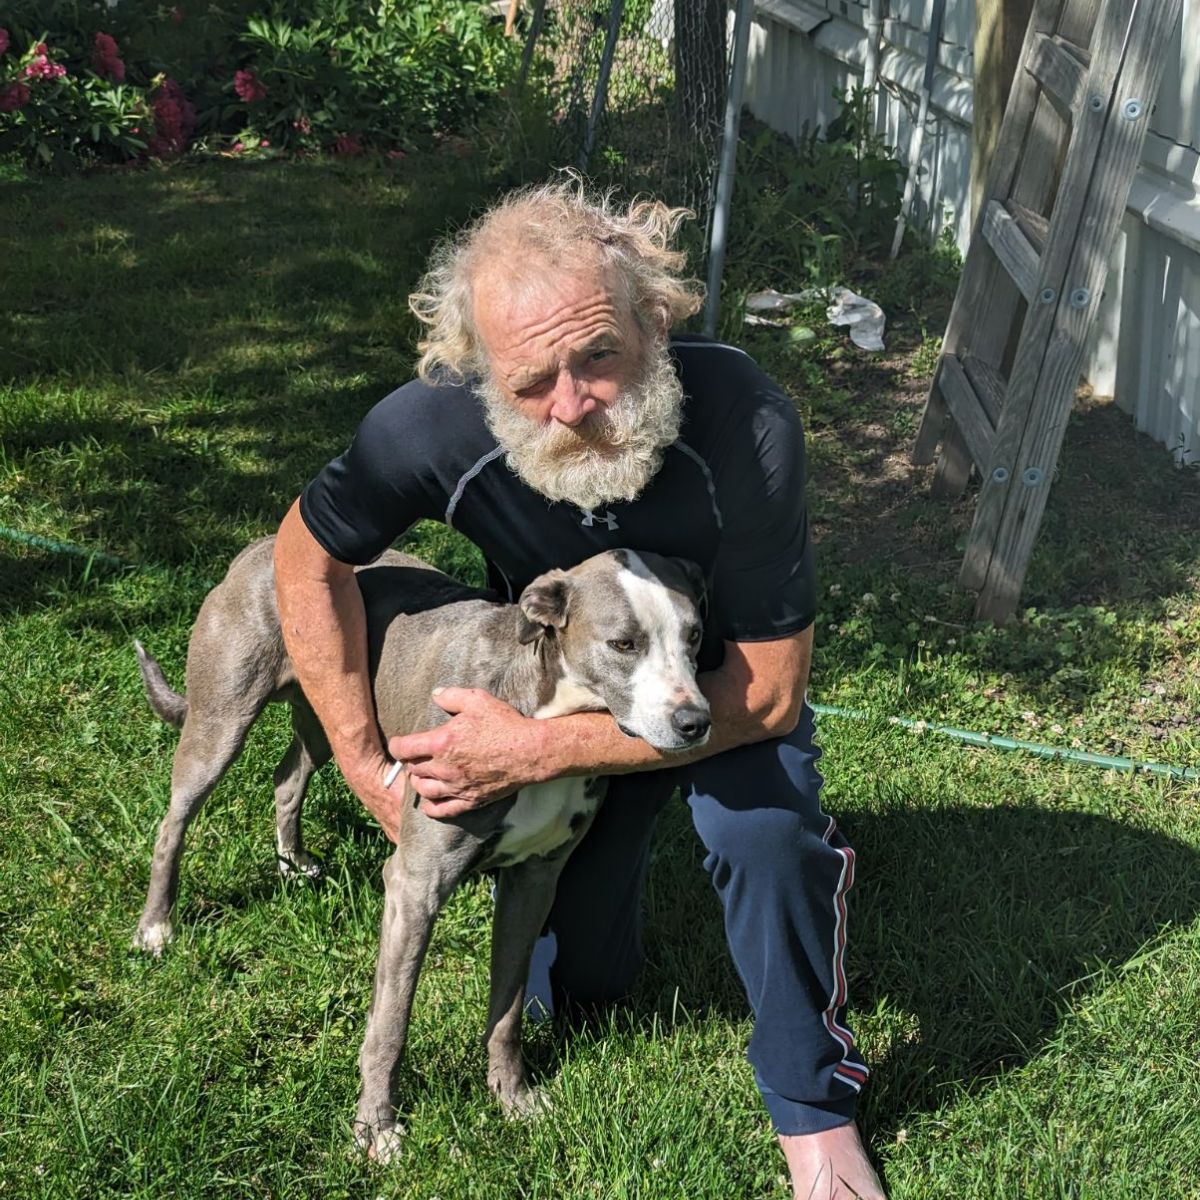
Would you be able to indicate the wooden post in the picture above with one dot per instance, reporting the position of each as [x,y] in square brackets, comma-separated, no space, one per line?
[999,31]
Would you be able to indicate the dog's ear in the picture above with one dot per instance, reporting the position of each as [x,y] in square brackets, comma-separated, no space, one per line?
[696,581]
[544,604]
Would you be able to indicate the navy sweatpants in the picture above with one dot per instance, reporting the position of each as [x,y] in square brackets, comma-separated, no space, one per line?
[781,870]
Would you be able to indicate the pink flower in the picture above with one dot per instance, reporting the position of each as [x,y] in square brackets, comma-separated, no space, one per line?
[248,86]
[3,40]
[396,155]
[174,120]
[42,68]
[106,61]
[302,125]
[264,144]
[238,147]
[347,145]
[14,96]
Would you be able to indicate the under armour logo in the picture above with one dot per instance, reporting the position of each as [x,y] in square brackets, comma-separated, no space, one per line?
[590,519]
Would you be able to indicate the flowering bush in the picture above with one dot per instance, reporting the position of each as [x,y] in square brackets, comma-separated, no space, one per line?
[106,61]
[345,74]
[55,116]
[248,86]
[174,119]
[113,80]
[63,104]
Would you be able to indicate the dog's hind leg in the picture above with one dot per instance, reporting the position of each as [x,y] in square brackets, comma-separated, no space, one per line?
[524,895]
[308,752]
[417,884]
[207,745]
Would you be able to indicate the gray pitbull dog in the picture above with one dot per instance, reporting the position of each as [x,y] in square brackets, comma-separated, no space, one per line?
[619,633]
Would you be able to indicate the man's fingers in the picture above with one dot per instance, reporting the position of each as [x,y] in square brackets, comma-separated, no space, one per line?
[415,746]
[452,699]
[456,699]
[429,768]
[430,787]
[445,808]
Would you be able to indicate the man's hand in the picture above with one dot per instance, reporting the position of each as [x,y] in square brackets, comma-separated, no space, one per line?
[386,805]
[486,751]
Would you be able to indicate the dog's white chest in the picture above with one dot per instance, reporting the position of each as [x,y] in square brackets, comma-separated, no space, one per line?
[544,817]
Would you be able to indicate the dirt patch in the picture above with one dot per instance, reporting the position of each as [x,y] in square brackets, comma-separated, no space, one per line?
[1123,522]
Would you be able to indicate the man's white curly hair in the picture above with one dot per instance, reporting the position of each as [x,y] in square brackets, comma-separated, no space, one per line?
[550,227]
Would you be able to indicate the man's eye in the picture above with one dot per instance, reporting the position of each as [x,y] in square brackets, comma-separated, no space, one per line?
[597,355]
[622,645]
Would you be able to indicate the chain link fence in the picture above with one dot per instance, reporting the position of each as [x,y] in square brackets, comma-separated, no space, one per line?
[638,91]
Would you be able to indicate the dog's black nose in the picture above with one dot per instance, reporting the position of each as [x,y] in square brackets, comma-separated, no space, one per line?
[692,723]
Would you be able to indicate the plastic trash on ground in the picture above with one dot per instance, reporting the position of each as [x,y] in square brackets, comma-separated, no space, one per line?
[864,317]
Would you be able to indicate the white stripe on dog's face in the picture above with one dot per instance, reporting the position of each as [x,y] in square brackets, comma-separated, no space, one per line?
[665,676]
[628,643]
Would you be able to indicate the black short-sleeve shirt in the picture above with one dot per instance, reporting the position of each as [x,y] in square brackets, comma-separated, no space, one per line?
[729,494]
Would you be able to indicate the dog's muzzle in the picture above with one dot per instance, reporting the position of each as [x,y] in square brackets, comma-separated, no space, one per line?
[691,723]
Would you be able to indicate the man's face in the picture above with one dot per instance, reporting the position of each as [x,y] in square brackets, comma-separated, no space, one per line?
[581,399]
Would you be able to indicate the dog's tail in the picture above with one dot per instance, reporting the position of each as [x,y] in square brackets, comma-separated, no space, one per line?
[169,705]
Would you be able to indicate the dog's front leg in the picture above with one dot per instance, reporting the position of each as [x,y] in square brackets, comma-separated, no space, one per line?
[524,895]
[417,887]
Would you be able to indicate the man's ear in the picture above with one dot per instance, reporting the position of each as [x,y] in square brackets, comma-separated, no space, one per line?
[544,604]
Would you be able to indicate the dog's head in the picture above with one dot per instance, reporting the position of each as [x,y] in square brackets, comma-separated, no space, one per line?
[627,626]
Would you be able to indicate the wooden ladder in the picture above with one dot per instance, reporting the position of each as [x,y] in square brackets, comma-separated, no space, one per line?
[1068,149]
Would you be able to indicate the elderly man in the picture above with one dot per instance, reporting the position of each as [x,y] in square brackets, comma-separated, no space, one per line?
[555,417]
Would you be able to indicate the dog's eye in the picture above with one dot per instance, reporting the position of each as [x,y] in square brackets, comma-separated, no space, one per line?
[623,645]
[693,637]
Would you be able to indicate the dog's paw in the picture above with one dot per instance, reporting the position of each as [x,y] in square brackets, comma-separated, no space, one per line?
[525,1104]
[382,1146]
[153,939]
[299,863]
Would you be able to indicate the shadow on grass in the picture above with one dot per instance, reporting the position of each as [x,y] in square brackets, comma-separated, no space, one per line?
[198,342]
[973,933]
[975,930]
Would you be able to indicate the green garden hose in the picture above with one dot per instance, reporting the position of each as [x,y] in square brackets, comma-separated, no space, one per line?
[994,741]
[991,741]
[41,543]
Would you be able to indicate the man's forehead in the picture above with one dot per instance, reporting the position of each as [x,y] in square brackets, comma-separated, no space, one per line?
[518,316]
[533,286]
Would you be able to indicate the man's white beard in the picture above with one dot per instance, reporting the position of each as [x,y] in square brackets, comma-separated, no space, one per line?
[608,457]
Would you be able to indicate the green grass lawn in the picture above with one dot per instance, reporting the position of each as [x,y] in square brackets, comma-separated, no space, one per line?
[179,351]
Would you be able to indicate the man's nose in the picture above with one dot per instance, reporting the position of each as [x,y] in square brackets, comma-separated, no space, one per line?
[571,401]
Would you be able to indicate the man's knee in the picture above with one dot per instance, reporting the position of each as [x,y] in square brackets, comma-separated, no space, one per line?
[762,839]
[760,805]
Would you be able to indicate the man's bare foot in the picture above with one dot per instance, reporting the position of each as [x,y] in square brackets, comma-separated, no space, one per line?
[831,1165]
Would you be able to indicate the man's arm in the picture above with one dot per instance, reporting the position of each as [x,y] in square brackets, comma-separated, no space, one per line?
[325,630]
[488,749]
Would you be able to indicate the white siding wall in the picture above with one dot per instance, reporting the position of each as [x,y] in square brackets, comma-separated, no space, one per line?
[1146,347]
